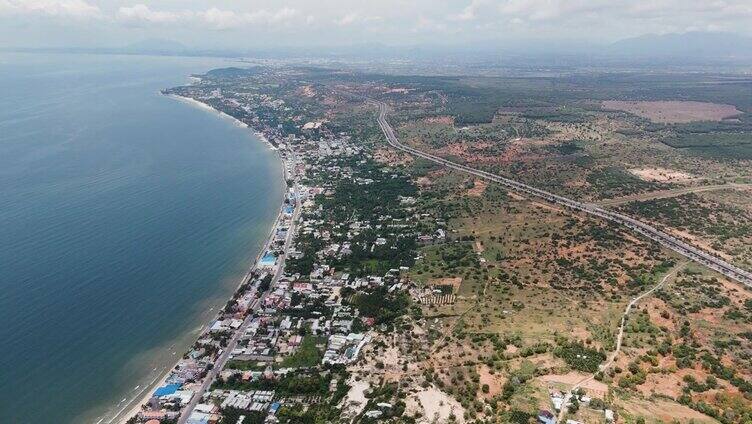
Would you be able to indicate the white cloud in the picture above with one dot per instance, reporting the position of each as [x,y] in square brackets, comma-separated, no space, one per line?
[142,12]
[470,12]
[388,21]
[274,17]
[213,18]
[425,24]
[54,8]
[227,19]
[356,18]
[220,19]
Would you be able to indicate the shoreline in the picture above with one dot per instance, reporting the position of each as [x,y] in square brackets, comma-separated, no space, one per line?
[133,406]
[235,120]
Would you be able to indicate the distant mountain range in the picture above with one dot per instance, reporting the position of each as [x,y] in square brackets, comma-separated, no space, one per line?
[695,48]
[157,46]
[701,45]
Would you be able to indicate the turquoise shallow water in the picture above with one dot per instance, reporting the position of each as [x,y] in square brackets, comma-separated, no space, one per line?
[124,216]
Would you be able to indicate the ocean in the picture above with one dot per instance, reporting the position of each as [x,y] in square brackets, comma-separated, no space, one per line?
[126,220]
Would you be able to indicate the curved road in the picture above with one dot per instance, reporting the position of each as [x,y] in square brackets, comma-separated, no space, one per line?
[685,249]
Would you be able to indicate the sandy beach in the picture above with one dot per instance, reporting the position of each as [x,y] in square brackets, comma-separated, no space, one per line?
[133,406]
[236,121]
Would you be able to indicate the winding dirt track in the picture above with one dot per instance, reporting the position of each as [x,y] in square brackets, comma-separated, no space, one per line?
[606,365]
[665,194]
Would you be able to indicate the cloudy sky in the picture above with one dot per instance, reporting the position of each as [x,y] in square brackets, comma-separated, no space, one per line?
[269,23]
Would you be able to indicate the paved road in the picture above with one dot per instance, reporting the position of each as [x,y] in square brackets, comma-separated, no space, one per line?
[685,249]
[606,365]
[225,356]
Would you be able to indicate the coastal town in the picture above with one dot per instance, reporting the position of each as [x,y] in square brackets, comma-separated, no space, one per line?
[392,289]
[376,212]
[279,349]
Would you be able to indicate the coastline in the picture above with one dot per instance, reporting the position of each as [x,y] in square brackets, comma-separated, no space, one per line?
[208,108]
[133,406]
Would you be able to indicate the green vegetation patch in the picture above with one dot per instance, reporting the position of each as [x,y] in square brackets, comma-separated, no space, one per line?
[579,356]
[291,384]
[232,415]
[381,305]
[307,355]
[715,145]
[614,182]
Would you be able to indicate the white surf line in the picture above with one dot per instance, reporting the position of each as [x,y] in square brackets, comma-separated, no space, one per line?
[235,120]
[138,395]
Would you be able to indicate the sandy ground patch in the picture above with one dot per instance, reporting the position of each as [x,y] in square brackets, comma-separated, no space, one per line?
[546,206]
[355,400]
[307,91]
[435,406]
[515,196]
[662,175]
[479,186]
[674,111]
[423,182]
[665,194]
[655,308]
[392,157]
[445,120]
[494,382]
[668,384]
[664,411]
[429,179]
[455,282]
[592,387]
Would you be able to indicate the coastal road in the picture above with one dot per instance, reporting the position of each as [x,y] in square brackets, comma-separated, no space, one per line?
[232,344]
[679,246]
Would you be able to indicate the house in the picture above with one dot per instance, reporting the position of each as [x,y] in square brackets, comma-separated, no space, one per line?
[152,415]
[373,414]
[546,417]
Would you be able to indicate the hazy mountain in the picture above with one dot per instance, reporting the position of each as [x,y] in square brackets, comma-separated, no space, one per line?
[156,45]
[700,45]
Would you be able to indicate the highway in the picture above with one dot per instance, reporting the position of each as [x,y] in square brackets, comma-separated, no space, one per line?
[685,249]
[225,356]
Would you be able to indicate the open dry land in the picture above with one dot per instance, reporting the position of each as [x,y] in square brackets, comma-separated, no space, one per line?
[534,285]
[670,112]
[720,221]
[515,300]
[662,175]
[539,292]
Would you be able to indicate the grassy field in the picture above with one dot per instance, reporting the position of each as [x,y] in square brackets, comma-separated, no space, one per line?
[309,353]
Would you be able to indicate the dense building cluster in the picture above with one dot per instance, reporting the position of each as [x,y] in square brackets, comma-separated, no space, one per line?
[331,274]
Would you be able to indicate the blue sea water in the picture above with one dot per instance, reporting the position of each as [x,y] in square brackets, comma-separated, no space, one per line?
[125,217]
